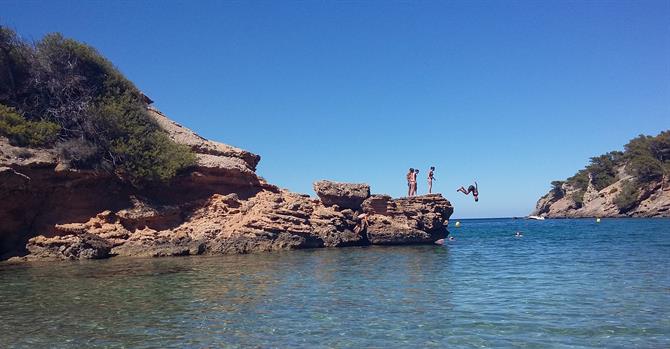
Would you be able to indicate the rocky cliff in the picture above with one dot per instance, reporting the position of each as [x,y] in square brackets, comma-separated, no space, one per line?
[50,210]
[647,200]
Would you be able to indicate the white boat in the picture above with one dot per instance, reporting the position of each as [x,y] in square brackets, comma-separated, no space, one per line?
[537,218]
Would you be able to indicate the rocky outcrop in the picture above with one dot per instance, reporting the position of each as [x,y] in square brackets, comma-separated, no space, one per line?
[419,219]
[69,247]
[346,195]
[652,200]
[51,211]
[267,221]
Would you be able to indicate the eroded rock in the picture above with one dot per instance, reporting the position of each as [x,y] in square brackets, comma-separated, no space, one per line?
[69,247]
[345,195]
[412,220]
[220,206]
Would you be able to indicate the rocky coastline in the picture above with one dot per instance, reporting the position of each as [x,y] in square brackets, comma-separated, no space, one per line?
[652,200]
[221,206]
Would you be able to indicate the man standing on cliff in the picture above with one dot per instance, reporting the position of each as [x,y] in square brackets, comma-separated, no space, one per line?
[410,176]
[414,186]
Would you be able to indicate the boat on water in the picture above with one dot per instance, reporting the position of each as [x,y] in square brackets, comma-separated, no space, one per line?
[537,218]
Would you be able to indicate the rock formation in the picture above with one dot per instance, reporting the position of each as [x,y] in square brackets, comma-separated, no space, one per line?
[652,200]
[221,206]
[346,195]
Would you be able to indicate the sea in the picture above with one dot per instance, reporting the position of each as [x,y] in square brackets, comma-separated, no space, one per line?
[569,283]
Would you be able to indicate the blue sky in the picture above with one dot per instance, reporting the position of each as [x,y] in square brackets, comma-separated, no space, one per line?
[513,94]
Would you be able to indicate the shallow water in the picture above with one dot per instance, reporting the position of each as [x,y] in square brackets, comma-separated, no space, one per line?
[565,283]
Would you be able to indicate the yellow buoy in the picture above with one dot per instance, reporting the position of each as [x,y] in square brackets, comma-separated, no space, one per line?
[597,220]
[458,224]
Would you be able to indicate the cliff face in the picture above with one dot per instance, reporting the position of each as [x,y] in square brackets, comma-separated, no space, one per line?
[49,210]
[651,200]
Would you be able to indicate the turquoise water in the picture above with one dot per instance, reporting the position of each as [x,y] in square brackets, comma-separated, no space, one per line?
[564,284]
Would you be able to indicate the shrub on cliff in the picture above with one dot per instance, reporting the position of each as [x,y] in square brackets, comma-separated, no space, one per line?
[22,132]
[627,197]
[70,84]
[648,158]
[603,169]
[580,180]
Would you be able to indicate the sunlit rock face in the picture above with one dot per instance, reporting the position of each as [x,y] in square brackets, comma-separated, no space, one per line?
[221,206]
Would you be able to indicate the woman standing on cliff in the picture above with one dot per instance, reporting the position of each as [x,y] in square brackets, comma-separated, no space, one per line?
[410,176]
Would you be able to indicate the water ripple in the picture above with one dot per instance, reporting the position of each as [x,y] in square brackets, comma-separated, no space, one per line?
[566,284]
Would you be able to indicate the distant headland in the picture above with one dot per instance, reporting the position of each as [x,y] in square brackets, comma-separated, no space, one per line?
[632,183]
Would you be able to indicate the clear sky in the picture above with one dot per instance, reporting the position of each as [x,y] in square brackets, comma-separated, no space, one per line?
[513,94]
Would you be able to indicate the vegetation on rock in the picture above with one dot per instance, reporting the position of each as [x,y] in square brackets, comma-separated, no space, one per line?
[63,93]
[627,197]
[26,133]
[645,158]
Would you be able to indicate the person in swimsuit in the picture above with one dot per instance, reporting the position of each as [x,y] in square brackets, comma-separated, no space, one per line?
[409,176]
[362,224]
[414,188]
[431,177]
[471,189]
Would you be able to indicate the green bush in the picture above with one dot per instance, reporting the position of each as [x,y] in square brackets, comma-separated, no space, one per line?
[580,180]
[144,152]
[627,197]
[646,158]
[65,88]
[645,168]
[153,159]
[603,169]
[22,132]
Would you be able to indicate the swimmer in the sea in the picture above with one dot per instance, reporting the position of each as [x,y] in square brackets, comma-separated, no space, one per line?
[471,189]
[518,234]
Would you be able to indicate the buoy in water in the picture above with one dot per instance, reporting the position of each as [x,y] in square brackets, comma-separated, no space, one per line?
[458,224]
[597,220]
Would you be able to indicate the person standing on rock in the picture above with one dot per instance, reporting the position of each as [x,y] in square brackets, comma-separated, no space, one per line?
[431,177]
[414,188]
[409,176]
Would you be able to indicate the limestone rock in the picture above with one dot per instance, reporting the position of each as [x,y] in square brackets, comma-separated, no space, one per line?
[654,201]
[69,247]
[418,219]
[345,195]
[183,135]
[151,243]
[221,206]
